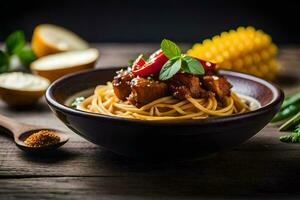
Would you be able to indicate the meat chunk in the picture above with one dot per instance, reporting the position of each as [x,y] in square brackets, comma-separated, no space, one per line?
[217,84]
[121,84]
[183,85]
[144,91]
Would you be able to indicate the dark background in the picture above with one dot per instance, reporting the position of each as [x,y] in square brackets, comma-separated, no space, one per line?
[150,21]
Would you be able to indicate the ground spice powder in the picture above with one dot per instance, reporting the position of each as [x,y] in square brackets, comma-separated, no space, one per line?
[42,138]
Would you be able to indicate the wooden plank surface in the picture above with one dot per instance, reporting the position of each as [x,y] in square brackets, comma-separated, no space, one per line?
[260,168]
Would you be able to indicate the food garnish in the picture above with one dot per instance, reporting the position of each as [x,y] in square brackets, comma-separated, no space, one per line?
[56,65]
[290,100]
[138,63]
[77,101]
[15,54]
[287,112]
[289,107]
[42,138]
[49,39]
[152,66]
[178,61]
[291,123]
[294,137]
[246,50]
[169,60]
[290,112]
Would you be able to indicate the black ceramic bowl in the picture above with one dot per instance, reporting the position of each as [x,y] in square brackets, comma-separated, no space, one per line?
[184,139]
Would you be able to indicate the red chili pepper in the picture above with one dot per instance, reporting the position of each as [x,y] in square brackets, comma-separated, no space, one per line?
[153,66]
[138,63]
[209,67]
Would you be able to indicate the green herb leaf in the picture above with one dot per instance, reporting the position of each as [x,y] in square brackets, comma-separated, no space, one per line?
[4,62]
[170,68]
[130,62]
[292,99]
[170,49]
[26,56]
[192,66]
[150,78]
[291,123]
[297,130]
[292,138]
[15,42]
[77,101]
[184,67]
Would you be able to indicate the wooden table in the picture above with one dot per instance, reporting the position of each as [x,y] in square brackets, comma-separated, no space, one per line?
[261,167]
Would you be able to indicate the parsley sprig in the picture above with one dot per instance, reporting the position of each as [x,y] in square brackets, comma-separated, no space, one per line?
[177,61]
[77,101]
[294,137]
[15,48]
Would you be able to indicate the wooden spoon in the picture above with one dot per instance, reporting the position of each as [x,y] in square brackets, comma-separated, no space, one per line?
[22,131]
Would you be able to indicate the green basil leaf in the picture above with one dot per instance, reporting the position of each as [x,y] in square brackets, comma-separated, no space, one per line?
[130,62]
[76,102]
[169,69]
[193,65]
[163,74]
[170,49]
[26,56]
[15,42]
[4,62]
[184,67]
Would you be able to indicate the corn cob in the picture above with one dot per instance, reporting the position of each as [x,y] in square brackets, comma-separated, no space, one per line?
[246,50]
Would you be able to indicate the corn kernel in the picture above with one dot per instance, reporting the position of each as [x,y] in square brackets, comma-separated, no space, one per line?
[256,58]
[245,50]
[264,55]
[248,60]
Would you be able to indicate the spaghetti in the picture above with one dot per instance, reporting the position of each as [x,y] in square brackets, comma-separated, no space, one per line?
[104,101]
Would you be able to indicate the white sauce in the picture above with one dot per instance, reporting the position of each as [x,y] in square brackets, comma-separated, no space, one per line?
[250,101]
[84,93]
[23,81]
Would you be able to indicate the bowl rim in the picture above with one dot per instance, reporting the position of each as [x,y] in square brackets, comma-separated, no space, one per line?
[278,97]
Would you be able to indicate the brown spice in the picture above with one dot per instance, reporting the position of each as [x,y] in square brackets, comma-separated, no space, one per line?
[42,138]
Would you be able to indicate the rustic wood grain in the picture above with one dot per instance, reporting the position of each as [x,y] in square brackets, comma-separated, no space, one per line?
[262,167]
[158,187]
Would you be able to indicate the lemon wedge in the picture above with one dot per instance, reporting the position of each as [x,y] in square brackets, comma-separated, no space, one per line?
[49,39]
[56,65]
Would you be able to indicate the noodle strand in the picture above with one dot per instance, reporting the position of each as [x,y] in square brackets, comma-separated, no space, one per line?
[104,101]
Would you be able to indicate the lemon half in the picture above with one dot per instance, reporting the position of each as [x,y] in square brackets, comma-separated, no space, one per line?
[49,39]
